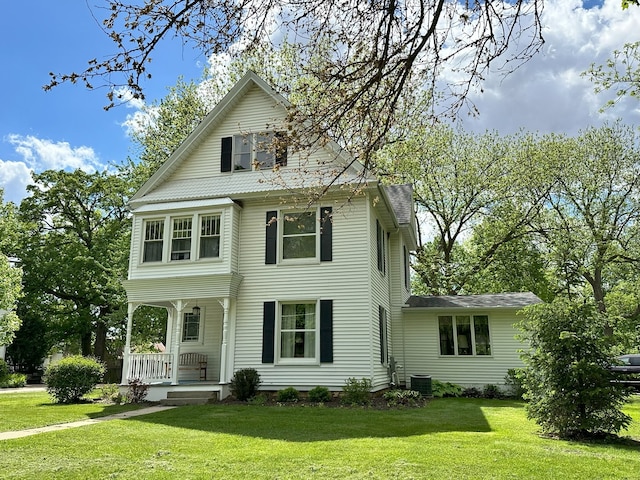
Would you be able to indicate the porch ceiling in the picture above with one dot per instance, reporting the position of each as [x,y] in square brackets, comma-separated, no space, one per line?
[147,290]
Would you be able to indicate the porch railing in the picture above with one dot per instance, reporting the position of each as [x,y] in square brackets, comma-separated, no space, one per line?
[150,366]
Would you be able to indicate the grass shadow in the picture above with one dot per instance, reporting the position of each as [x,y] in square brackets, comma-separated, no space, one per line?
[311,423]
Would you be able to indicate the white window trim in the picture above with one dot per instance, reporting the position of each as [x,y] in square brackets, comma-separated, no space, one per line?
[253,150]
[316,258]
[167,238]
[200,340]
[473,335]
[278,360]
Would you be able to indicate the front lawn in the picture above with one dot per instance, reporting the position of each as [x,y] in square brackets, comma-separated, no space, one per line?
[19,411]
[449,438]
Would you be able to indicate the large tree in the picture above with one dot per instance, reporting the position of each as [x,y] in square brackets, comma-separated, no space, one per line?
[462,181]
[10,273]
[359,61]
[75,254]
[591,228]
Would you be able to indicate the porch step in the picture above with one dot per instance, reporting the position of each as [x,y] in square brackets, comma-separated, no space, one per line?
[187,397]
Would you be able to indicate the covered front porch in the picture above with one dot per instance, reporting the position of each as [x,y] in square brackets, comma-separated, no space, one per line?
[196,354]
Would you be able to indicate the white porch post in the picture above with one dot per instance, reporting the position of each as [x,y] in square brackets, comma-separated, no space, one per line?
[225,340]
[179,308]
[131,307]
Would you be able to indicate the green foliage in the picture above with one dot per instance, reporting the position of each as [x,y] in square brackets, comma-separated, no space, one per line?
[406,398]
[319,394]
[492,391]
[471,392]
[356,392]
[10,292]
[33,341]
[73,377]
[244,384]
[137,391]
[110,392]
[567,381]
[445,389]
[514,381]
[13,380]
[4,369]
[288,395]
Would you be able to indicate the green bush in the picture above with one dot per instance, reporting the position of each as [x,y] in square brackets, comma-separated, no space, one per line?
[514,382]
[356,392]
[288,395]
[13,380]
[471,392]
[73,377]
[445,389]
[4,369]
[319,395]
[244,384]
[568,383]
[407,398]
[110,392]
[491,391]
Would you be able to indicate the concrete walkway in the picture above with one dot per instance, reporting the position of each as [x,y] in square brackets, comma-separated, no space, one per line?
[80,423]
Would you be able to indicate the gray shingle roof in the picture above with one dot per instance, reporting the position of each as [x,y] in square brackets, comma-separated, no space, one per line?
[493,300]
[401,198]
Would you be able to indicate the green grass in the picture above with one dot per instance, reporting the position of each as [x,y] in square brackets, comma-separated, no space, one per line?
[19,411]
[449,438]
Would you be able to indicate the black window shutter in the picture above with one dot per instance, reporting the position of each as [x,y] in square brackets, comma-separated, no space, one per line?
[381,326]
[271,238]
[379,247]
[225,160]
[281,149]
[326,233]
[326,331]
[268,331]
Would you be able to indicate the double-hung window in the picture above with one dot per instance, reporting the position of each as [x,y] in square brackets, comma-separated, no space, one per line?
[253,151]
[191,327]
[299,237]
[298,331]
[181,238]
[153,240]
[209,236]
[464,335]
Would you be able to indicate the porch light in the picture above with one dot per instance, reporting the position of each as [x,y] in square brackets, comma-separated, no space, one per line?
[196,310]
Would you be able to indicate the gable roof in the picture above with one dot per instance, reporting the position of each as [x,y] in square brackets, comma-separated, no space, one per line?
[155,189]
[492,300]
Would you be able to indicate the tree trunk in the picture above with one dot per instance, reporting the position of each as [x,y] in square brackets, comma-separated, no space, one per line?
[99,349]
[85,343]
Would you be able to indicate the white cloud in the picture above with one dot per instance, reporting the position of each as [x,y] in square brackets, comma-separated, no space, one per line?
[548,93]
[14,178]
[41,154]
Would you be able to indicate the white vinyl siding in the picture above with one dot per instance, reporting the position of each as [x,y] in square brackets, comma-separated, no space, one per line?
[344,280]
[422,350]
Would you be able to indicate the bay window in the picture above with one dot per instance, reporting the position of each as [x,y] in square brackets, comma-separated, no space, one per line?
[153,240]
[181,239]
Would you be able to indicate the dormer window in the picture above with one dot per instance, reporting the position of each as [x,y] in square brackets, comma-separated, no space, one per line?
[253,151]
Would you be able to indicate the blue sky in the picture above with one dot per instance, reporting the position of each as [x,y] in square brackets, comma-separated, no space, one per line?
[68,127]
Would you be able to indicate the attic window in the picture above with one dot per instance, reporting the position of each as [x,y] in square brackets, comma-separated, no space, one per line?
[253,151]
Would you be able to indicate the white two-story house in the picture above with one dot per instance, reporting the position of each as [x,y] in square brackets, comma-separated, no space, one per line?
[252,276]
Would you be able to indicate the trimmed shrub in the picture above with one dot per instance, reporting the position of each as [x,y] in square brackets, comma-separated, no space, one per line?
[111,393]
[356,392]
[4,369]
[73,377]
[406,398]
[244,384]
[289,394]
[445,389]
[319,395]
[14,380]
